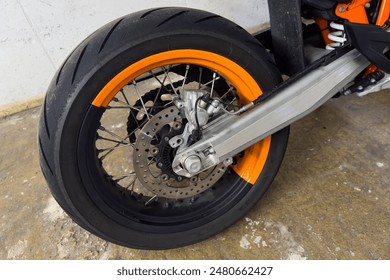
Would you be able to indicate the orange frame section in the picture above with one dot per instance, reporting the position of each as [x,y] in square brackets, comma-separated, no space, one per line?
[356,12]
[252,164]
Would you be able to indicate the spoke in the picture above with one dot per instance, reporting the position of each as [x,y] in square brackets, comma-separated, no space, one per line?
[213,84]
[124,96]
[234,100]
[118,178]
[135,119]
[150,200]
[138,108]
[116,147]
[120,107]
[138,127]
[150,107]
[108,139]
[200,77]
[122,140]
[110,150]
[140,99]
[169,80]
[161,83]
[155,98]
[230,103]
[124,175]
[126,105]
[153,160]
[185,76]
[227,92]
[132,184]
[169,103]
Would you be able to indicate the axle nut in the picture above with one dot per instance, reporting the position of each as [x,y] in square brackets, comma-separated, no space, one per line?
[193,164]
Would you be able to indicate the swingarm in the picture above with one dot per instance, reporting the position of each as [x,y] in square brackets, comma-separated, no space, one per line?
[231,134]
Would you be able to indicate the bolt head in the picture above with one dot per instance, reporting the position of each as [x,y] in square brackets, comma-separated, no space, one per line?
[176,125]
[228,161]
[193,164]
[164,177]
[194,179]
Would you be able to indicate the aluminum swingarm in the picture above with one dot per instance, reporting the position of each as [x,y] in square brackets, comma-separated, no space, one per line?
[231,134]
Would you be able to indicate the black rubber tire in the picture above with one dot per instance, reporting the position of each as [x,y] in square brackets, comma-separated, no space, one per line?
[88,69]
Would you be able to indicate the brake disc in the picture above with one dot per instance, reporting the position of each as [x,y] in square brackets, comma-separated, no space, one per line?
[153,158]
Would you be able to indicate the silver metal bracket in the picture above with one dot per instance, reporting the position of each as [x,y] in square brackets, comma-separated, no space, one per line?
[384,83]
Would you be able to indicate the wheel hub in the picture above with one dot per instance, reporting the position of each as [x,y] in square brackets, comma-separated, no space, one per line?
[153,157]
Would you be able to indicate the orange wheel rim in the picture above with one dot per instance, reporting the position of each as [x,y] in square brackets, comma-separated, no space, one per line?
[250,166]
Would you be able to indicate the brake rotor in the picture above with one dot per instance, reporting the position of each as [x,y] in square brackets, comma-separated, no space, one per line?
[153,158]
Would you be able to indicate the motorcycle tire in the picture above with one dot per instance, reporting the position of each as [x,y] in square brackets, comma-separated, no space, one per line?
[117,85]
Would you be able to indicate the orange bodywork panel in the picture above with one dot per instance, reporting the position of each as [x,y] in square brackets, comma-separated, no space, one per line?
[384,13]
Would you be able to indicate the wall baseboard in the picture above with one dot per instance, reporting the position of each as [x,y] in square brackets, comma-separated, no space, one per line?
[13,108]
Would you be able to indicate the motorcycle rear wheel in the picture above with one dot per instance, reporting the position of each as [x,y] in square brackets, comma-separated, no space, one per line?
[119,83]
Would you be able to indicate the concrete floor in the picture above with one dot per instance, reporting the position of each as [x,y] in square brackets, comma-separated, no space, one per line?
[330,200]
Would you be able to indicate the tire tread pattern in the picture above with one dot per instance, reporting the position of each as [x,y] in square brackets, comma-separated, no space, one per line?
[171,18]
[78,63]
[109,34]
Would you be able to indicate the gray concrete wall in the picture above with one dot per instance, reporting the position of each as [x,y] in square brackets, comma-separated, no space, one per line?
[37,35]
